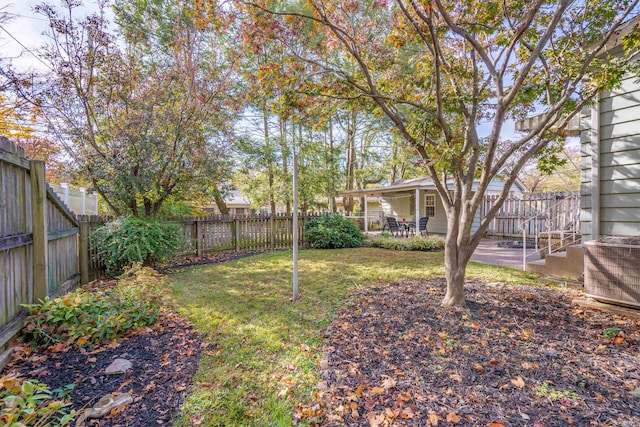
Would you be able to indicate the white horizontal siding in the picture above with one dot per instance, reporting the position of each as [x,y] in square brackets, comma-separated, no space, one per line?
[629,200]
[619,163]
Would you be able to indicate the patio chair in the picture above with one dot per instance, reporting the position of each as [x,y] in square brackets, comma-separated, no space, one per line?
[422,225]
[393,226]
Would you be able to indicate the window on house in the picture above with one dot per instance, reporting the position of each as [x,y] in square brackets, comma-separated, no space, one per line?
[430,205]
[239,211]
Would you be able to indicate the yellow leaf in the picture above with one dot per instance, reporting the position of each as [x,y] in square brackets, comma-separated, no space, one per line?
[376,390]
[478,367]
[452,417]
[518,382]
[82,341]
[359,390]
[433,418]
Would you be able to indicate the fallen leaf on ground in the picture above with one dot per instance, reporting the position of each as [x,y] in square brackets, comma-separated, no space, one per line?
[452,417]
[456,377]
[518,382]
[377,390]
[433,418]
[374,419]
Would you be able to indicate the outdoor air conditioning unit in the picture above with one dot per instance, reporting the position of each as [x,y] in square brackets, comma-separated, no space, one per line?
[612,270]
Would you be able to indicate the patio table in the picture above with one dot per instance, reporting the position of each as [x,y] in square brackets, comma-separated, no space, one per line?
[409,227]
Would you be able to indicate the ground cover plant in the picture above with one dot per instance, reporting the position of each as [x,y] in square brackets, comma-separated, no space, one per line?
[31,403]
[415,243]
[262,367]
[84,318]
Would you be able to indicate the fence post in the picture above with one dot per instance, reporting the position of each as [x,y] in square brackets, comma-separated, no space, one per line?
[236,226]
[199,242]
[39,221]
[272,232]
[84,249]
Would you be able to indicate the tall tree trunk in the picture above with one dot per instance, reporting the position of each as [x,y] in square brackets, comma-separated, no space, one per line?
[458,249]
[332,197]
[351,163]
[265,123]
[222,206]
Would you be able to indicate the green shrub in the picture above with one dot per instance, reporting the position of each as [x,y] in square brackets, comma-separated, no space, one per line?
[30,403]
[82,318]
[417,243]
[128,239]
[333,231]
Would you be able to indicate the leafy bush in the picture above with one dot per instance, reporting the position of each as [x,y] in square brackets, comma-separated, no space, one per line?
[333,231]
[30,403]
[417,243]
[81,318]
[128,239]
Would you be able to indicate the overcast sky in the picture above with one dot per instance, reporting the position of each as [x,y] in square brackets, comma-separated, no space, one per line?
[28,29]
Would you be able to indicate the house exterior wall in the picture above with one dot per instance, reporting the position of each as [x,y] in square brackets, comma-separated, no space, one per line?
[619,163]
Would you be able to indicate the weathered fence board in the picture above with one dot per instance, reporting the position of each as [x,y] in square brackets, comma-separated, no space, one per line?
[38,239]
[16,279]
[535,212]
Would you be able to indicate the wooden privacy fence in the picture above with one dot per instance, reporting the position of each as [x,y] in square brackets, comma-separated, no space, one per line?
[212,234]
[38,240]
[535,212]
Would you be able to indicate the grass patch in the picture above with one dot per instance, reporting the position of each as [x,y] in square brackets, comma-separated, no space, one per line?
[262,364]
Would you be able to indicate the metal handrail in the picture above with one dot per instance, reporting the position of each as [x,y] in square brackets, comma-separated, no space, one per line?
[523,226]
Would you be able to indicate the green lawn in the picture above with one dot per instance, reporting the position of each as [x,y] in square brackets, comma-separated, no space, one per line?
[264,351]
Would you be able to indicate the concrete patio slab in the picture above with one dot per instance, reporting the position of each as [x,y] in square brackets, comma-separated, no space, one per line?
[489,252]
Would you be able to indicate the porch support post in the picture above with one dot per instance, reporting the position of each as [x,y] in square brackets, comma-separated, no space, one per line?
[366,213]
[417,210]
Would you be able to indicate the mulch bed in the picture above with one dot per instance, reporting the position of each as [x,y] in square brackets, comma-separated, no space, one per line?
[165,358]
[514,356]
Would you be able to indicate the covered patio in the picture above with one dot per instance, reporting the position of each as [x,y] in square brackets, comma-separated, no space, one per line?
[411,199]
